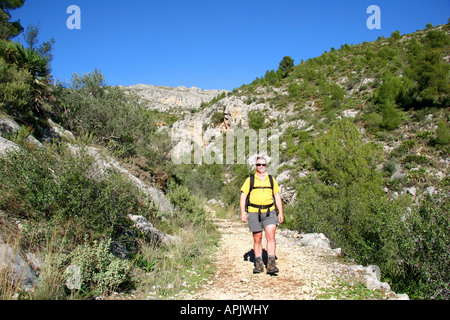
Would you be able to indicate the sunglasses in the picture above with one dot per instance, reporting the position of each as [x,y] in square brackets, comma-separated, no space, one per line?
[261,164]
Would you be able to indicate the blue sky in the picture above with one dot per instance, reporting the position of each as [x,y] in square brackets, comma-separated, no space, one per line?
[210,44]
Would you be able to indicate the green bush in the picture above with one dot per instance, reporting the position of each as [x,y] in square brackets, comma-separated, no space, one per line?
[52,186]
[294,89]
[230,191]
[353,218]
[204,181]
[341,199]
[419,248]
[341,157]
[187,206]
[412,159]
[390,89]
[271,77]
[217,118]
[442,134]
[285,66]
[373,121]
[115,118]
[392,117]
[256,120]
[100,271]
[395,36]
[15,89]
[428,72]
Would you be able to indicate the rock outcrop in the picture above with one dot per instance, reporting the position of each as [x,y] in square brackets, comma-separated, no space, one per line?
[202,128]
[12,264]
[164,98]
[103,162]
[146,227]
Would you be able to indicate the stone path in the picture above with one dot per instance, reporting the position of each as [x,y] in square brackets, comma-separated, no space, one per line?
[305,272]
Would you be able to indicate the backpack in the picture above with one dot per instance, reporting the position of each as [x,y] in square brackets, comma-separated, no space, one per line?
[252,186]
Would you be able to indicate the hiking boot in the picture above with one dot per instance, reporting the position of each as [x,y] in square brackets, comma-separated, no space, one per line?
[259,265]
[271,267]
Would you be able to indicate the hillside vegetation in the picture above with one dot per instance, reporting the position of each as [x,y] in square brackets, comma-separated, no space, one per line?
[378,183]
[365,149]
[60,209]
[368,165]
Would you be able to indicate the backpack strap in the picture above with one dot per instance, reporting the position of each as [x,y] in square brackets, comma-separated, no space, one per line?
[271,183]
[252,184]
[273,195]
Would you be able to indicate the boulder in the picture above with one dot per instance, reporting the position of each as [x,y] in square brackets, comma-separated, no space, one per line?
[373,279]
[12,264]
[10,127]
[6,145]
[146,227]
[315,239]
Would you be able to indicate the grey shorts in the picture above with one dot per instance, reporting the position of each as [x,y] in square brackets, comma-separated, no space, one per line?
[255,225]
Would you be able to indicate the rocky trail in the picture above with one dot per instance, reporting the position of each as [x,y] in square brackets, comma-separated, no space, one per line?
[306,272]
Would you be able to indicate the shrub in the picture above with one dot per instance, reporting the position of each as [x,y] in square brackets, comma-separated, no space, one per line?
[100,271]
[342,157]
[436,39]
[271,77]
[217,118]
[231,193]
[115,118]
[353,217]
[430,76]
[373,121]
[390,167]
[390,90]
[342,199]
[420,243]
[188,207]
[415,159]
[256,120]
[52,186]
[392,117]
[15,89]
[442,134]
[294,89]
[395,36]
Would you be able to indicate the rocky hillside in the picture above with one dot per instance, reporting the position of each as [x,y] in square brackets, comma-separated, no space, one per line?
[364,144]
[164,98]
[349,82]
[364,150]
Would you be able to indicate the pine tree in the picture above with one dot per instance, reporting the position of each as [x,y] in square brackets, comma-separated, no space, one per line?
[8,29]
[285,66]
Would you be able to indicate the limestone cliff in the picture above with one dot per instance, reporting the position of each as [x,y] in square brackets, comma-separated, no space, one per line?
[164,98]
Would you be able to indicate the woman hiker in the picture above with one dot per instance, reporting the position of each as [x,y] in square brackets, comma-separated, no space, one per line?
[262,207]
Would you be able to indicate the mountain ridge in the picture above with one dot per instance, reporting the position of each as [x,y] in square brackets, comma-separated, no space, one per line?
[165,98]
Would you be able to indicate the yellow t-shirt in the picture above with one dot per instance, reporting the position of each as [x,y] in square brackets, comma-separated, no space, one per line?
[260,196]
